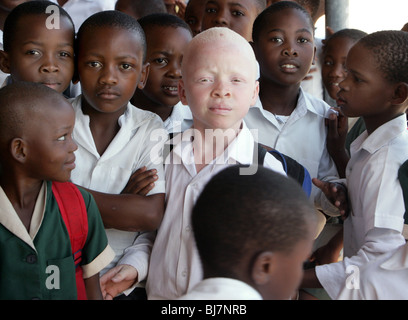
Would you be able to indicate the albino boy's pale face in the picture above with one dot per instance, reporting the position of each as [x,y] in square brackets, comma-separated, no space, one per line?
[219,85]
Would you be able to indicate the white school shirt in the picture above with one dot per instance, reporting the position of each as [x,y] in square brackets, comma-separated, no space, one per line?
[222,289]
[302,137]
[385,278]
[180,119]
[138,143]
[80,10]
[175,265]
[376,221]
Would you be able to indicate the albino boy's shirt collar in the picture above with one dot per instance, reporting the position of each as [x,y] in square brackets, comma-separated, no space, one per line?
[10,219]
[234,153]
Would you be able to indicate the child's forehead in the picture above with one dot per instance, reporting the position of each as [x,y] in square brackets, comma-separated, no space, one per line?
[286,16]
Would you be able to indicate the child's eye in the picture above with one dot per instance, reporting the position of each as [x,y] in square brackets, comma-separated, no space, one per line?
[94,64]
[65,54]
[160,61]
[126,66]
[277,39]
[328,63]
[303,40]
[32,52]
[238,13]
[62,138]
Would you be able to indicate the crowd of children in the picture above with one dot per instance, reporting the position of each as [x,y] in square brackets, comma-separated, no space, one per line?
[157,118]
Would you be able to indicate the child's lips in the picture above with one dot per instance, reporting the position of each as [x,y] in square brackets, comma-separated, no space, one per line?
[108,94]
[289,66]
[170,90]
[220,109]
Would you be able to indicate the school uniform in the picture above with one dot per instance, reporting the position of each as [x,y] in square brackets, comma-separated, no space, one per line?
[301,136]
[29,258]
[138,143]
[375,222]
[180,119]
[80,10]
[222,289]
[175,266]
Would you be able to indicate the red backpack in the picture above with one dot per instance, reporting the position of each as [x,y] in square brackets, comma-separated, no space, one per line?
[72,207]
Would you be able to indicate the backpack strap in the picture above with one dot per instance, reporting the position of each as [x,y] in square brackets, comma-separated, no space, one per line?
[292,168]
[73,211]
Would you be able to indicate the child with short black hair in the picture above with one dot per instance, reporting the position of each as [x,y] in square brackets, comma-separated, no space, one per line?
[235,15]
[167,36]
[285,116]
[115,139]
[248,251]
[194,15]
[37,50]
[376,88]
[140,8]
[36,150]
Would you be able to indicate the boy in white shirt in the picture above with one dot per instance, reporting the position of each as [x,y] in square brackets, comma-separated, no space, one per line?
[219,83]
[247,250]
[376,88]
[115,138]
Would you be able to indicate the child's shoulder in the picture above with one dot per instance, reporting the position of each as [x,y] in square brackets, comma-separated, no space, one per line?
[315,104]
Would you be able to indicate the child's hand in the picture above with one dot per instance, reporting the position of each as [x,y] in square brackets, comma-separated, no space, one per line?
[141,182]
[116,280]
[336,193]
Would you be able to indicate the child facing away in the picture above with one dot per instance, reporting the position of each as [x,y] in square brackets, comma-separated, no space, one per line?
[376,88]
[287,118]
[36,149]
[219,73]
[167,36]
[117,141]
[35,50]
[235,15]
[248,252]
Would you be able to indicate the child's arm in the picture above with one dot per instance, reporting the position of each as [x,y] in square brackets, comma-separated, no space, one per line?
[93,290]
[117,280]
[132,210]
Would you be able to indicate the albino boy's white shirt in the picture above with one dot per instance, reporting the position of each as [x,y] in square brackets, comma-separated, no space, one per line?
[80,10]
[375,224]
[384,278]
[222,289]
[138,143]
[302,137]
[175,266]
[180,119]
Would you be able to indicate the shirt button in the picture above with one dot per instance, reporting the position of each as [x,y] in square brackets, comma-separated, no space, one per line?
[31,258]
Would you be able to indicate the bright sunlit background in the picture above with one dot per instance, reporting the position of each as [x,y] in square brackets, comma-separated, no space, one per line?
[372,15]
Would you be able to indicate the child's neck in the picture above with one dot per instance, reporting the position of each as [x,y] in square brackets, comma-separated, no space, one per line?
[141,101]
[104,126]
[280,100]
[23,194]
[211,144]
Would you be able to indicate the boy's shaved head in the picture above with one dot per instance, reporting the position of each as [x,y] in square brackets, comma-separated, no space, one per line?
[221,37]
[20,103]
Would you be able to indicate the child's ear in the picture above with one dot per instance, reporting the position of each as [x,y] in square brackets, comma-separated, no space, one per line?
[263,268]
[182,92]
[18,150]
[400,93]
[4,62]
[144,76]
[314,56]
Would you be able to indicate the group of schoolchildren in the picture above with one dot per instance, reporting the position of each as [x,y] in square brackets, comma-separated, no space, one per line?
[158,122]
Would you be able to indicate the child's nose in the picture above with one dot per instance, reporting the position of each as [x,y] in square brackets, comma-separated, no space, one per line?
[221,90]
[108,76]
[49,65]
[221,19]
